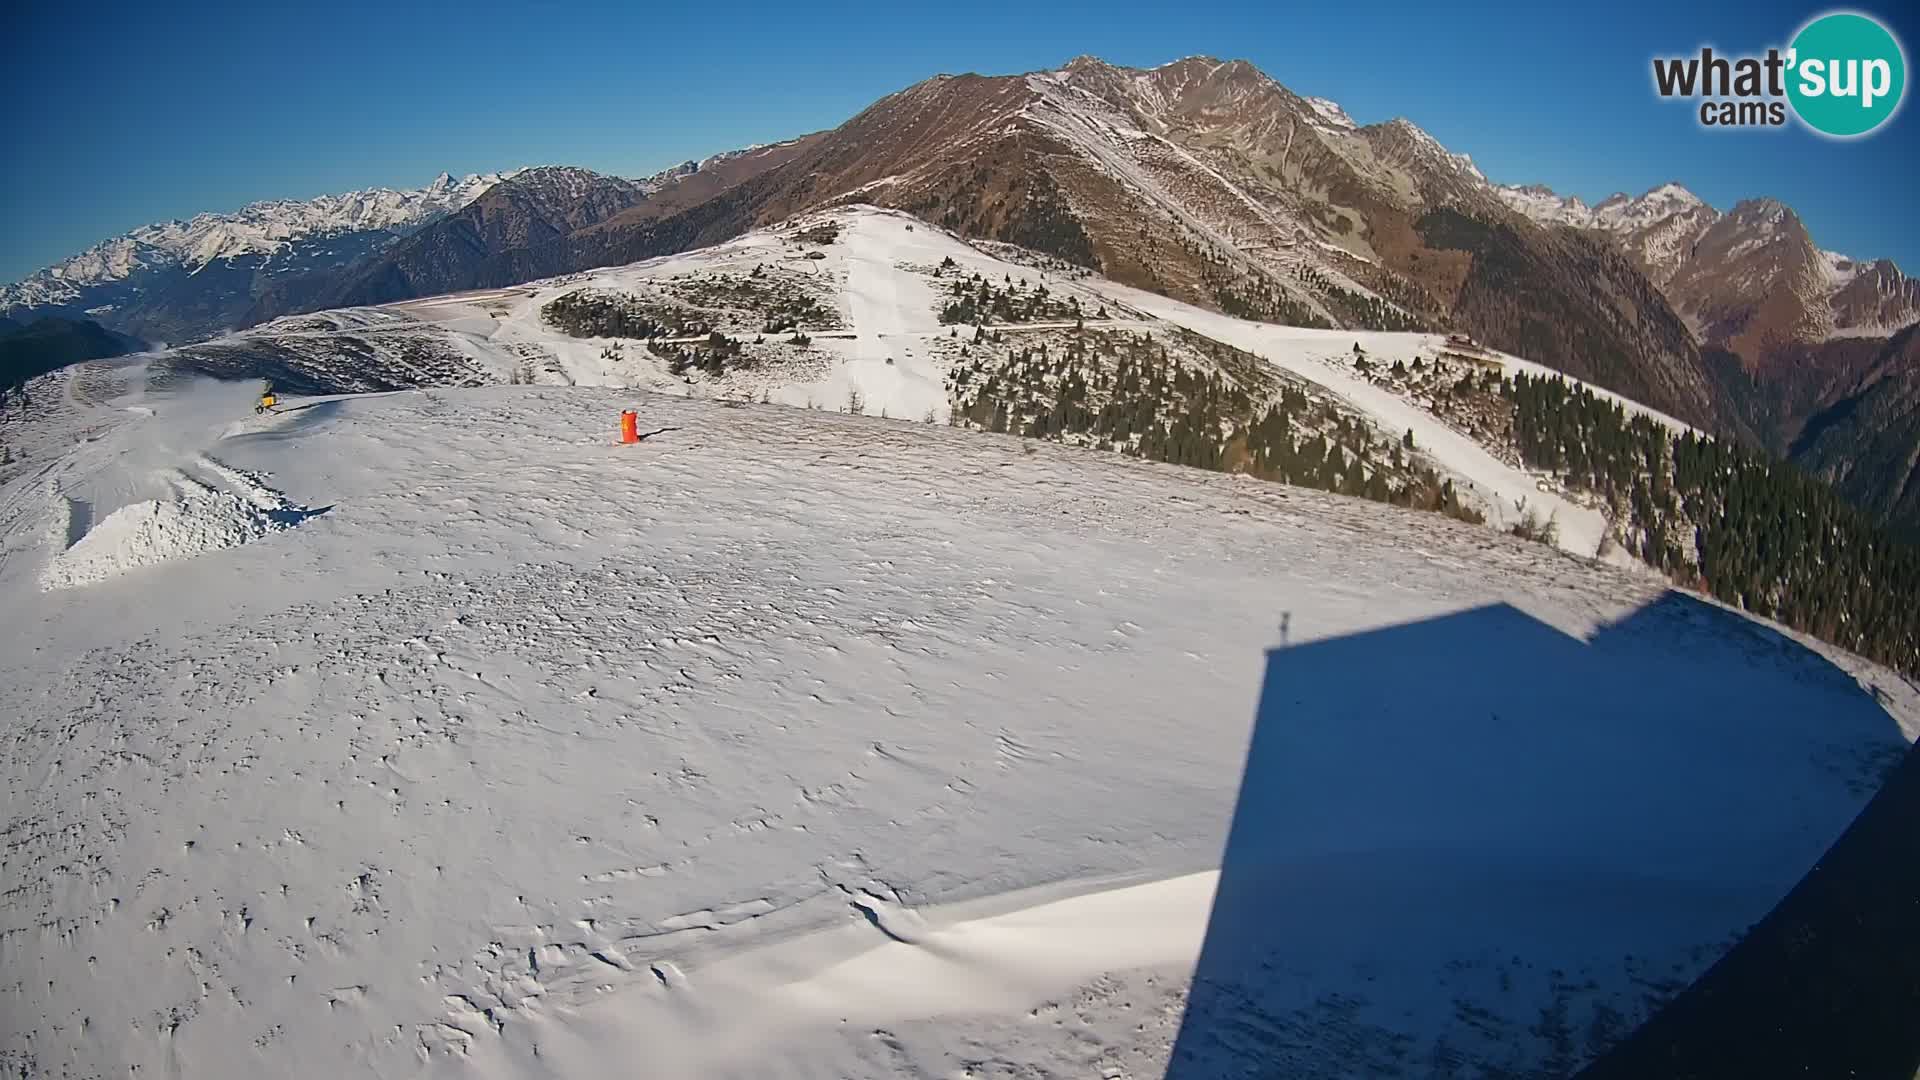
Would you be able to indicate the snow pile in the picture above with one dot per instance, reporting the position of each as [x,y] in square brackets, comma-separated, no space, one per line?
[154,531]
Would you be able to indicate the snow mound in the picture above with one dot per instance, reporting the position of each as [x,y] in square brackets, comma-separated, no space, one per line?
[198,520]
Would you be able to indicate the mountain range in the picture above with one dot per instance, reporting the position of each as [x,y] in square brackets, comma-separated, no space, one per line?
[1203,180]
[179,281]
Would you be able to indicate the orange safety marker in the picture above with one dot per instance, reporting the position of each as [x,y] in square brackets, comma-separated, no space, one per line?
[629,426]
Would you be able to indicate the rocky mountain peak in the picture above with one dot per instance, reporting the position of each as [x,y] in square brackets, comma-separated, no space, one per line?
[1086,64]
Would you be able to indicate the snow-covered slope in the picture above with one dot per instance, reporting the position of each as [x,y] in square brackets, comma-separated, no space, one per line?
[882,336]
[1505,490]
[883,344]
[796,744]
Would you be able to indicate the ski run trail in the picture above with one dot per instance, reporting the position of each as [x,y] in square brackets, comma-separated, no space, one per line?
[878,271]
[435,734]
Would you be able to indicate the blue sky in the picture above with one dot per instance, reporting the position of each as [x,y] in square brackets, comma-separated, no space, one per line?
[127,113]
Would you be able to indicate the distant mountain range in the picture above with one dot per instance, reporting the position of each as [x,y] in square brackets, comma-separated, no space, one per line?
[1750,278]
[182,281]
[1201,179]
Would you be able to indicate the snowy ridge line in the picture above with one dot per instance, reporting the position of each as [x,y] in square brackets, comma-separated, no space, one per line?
[260,228]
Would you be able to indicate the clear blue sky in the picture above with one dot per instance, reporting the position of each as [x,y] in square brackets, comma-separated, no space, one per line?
[125,113]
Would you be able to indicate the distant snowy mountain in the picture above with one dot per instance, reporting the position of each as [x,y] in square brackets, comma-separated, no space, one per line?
[185,279]
[263,228]
[535,209]
[1744,277]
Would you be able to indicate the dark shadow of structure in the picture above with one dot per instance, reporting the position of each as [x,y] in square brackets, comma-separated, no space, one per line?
[1827,985]
[1478,846]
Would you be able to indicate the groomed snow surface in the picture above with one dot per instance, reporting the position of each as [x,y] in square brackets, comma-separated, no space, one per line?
[794,744]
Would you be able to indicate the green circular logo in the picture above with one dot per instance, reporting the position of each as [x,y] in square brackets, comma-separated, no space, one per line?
[1848,74]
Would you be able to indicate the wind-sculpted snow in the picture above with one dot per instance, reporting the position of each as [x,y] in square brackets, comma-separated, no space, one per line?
[196,518]
[782,743]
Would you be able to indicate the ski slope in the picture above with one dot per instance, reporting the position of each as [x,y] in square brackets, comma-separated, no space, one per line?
[1325,357]
[788,743]
[879,274]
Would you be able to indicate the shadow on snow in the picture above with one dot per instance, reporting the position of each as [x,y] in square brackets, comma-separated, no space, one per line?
[1476,846]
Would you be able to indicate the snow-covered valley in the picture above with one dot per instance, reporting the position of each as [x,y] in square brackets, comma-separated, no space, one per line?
[435,733]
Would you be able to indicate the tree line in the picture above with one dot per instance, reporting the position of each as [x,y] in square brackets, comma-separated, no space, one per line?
[979,301]
[1753,531]
[1123,391]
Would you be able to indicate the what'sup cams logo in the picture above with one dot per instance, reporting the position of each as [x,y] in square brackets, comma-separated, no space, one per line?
[1844,75]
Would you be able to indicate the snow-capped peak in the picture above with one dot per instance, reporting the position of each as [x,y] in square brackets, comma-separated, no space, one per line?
[1431,147]
[1332,113]
[1672,193]
[566,183]
[1618,212]
[1539,203]
[1082,66]
[1839,269]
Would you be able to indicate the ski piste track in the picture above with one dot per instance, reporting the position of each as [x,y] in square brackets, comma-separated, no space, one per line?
[879,271]
[794,743]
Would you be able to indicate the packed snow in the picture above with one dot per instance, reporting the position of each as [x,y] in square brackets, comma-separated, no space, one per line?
[788,743]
